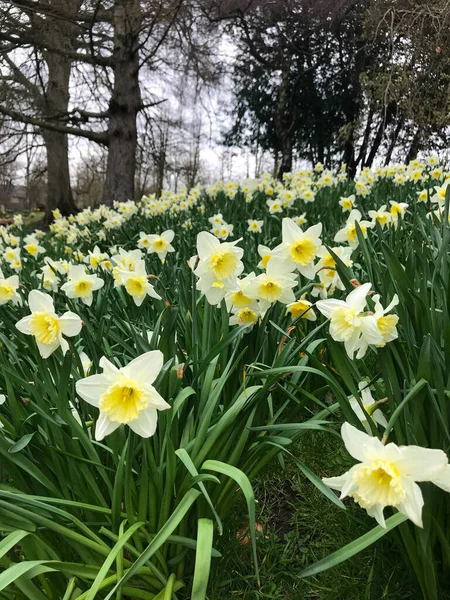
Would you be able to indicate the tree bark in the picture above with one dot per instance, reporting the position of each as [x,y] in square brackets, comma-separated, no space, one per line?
[55,104]
[124,104]
[286,156]
[415,145]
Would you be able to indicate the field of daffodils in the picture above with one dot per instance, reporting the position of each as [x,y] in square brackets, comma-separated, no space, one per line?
[157,355]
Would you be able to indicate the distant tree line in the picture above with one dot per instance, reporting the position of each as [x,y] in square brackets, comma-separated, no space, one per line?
[351,80]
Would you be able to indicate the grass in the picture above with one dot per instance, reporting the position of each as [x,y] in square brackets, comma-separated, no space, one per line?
[300,526]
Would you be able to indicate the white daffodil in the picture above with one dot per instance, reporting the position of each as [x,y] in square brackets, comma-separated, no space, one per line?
[301,308]
[8,289]
[397,208]
[95,258]
[349,323]
[86,363]
[274,205]
[33,248]
[326,267]
[248,315]
[45,325]
[11,255]
[387,475]
[299,248]
[160,244]
[49,278]
[370,406]
[387,324]
[348,233]
[255,226]
[265,254]
[221,262]
[440,193]
[381,216]
[238,298]
[224,231]
[300,220]
[216,220]
[137,284]
[347,202]
[125,396]
[81,285]
[126,260]
[275,285]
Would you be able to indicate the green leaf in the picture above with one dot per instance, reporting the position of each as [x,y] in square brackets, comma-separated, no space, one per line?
[22,443]
[202,559]
[160,538]
[246,487]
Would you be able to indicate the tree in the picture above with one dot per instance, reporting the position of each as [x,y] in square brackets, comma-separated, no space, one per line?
[298,79]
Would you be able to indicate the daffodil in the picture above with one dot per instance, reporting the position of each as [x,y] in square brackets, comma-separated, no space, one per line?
[46,326]
[125,396]
[397,208]
[247,315]
[32,247]
[96,257]
[326,267]
[255,226]
[380,216]
[274,205]
[299,248]
[347,202]
[370,406]
[160,244]
[237,298]
[301,308]
[219,261]
[349,323]
[137,285]
[265,254]
[8,289]
[386,324]
[386,475]
[300,220]
[275,285]
[81,285]
[348,233]
[11,255]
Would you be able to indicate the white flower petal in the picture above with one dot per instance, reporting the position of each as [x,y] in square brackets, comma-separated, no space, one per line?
[359,444]
[24,325]
[145,368]
[70,323]
[442,478]
[413,502]
[45,350]
[39,302]
[91,388]
[110,371]
[327,307]
[207,244]
[145,424]
[104,427]
[421,464]
[357,298]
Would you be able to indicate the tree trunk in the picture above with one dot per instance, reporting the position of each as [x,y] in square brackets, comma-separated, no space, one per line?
[286,157]
[58,176]
[394,139]
[56,103]
[415,145]
[124,104]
